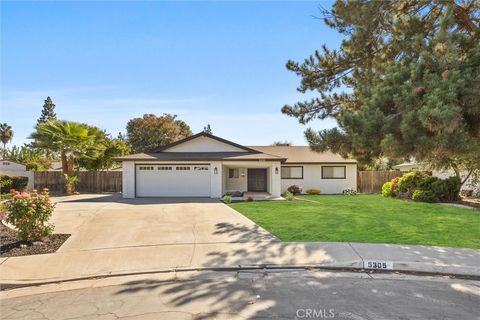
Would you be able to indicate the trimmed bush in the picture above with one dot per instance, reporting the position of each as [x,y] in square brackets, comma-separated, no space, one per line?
[448,189]
[387,189]
[30,213]
[423,196]
[395,185]
[312,191]
[294,189]
[227,199]
[8,183]
[410,181]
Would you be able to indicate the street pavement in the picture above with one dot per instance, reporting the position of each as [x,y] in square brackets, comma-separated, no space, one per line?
[248,295]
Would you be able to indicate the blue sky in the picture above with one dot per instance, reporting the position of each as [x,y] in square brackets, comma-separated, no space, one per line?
[103,63]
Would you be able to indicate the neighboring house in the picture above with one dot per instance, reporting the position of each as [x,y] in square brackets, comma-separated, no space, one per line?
[13,168]
[407,167]
[204,165]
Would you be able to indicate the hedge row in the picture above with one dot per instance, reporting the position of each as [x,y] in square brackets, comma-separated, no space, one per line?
[12,182]
[419,186]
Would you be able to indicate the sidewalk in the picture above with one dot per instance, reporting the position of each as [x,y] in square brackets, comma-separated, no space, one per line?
[69,265]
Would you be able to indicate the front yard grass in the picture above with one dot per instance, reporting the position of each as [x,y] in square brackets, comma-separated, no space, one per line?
[366,218]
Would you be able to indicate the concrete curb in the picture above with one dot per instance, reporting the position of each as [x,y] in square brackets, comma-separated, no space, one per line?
[472,273]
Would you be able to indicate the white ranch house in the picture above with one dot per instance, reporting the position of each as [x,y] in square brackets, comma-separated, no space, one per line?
[204,165]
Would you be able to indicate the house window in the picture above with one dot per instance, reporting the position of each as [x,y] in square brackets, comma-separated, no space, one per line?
[182,168]
[145,168]
[292,172]
[334,172]
[202,168]
[233,173]
[164,168]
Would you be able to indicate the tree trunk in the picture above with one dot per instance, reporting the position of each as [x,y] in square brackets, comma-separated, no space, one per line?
[70,162]
[63,157]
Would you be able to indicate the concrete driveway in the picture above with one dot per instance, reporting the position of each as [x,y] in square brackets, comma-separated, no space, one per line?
[108,221]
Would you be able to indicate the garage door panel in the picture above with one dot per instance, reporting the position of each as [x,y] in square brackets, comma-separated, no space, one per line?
[176,180]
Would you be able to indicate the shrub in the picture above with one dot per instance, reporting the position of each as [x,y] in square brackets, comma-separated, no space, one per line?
[447,189]
[349,191]
[227,199]
[294,189]
[387,189]
[410,181]
[30,213]
[425,182]
[395,185]
[70,183]
[250,199]
[12,182]
[288,195]
[312,191]
[424,196]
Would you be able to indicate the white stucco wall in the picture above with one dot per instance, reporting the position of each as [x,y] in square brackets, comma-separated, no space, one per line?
[128,179]
[312,179]
[11,168]
[216,179]
[236,184]
[204,144]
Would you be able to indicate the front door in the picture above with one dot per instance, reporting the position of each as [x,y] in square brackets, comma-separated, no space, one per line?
[257,180]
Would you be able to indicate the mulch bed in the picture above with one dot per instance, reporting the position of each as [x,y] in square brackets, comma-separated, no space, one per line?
[11,245]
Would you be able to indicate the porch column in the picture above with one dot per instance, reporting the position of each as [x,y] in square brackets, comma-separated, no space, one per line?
[275,180]
[216,179]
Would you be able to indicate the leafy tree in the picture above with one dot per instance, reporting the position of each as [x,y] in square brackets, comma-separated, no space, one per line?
[113,147]
[150,132]
[404,83]
[71,139]
[34,159]
[48,112]
[6,135]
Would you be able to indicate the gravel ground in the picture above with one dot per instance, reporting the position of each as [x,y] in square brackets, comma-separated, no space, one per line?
[11,243]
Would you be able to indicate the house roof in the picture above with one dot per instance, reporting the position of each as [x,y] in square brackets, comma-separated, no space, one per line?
[200,156]
[405,164]
[303,154]
[287,154]
[208,135]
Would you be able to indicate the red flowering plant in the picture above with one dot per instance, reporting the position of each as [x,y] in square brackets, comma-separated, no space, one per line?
[30,213]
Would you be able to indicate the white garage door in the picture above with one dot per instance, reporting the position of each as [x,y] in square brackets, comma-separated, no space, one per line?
[172,180]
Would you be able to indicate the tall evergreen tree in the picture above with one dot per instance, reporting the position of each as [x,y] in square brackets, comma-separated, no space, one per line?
[48,112]
[404,83]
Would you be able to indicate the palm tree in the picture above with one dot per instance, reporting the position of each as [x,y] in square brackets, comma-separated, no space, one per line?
[70,139]
[6,135]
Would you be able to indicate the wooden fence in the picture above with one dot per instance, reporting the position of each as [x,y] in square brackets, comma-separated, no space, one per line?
[372,181]
[88,181]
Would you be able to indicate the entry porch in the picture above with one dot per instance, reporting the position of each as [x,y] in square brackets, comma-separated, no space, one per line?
[258,180]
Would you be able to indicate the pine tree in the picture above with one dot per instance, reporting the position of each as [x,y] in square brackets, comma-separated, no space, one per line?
[404,83]
[48,112]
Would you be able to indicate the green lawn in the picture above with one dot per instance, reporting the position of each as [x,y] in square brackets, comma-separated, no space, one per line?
[366,218]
